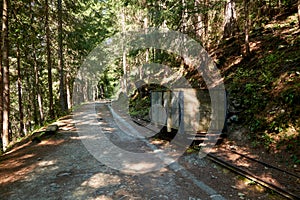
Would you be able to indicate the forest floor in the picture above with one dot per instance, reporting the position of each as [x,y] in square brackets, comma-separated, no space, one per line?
[61,167]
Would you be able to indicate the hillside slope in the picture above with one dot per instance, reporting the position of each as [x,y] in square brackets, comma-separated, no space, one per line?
[264,88]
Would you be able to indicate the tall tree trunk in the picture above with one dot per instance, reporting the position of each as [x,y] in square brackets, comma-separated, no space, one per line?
[49,63]
[198,23]
[1,80]
[259,11]
[21,113]
[299,13]
[124,61]
[279,4]
[37,85]
[230,25]
[125,72]
[184,16]
[270,10]
[247,26]
[206,21]
[6,91]
[201,20]
[68,85]
[141,72]
[62,93]
[29,91]
[36,117]
[40,114]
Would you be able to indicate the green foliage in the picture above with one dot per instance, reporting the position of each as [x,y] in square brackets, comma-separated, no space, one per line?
[257,124]
[255,143]
[275,127]
[271,58]
[290,96]
[267,140]
[140,107]
[269,90]
[108,83]
[193,149]
[295,159]
[87,23]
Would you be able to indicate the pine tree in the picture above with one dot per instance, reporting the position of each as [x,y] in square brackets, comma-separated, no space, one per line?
[6,136]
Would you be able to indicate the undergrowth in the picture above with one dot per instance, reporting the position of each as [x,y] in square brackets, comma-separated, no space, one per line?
[267,84]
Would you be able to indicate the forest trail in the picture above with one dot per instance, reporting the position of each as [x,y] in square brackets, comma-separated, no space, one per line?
[62,168]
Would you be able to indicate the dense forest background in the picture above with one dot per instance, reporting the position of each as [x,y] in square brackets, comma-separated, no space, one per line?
[255,43]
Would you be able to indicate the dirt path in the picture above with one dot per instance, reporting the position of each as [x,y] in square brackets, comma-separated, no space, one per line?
[61,167]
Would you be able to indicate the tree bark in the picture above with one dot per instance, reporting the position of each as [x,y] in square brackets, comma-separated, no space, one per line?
[124,61]
[62,93]
[38,91]
[198,23]
[247,26]
[1,80]
[299,13]
[21,113]
[6,89]
[39,113]
[49,64]
[230,25]
[141,72]
[68,87]
[206,23]
[184,17]
[201,20]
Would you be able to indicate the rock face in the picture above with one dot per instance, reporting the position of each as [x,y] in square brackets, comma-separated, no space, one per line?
[49,131]
[52,128]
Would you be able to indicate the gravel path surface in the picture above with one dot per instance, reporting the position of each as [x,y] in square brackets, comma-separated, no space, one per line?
[61,167]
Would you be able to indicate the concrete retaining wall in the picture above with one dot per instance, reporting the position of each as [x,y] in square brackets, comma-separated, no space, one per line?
[188,110]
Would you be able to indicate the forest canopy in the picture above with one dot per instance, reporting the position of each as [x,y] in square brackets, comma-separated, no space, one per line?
[44,43]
